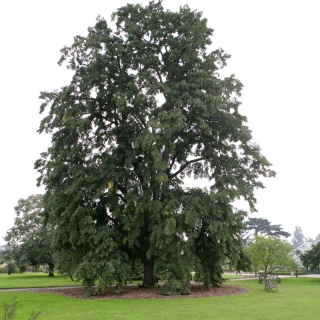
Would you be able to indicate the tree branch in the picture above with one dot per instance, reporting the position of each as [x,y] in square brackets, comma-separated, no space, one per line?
[172,162]
[184,166]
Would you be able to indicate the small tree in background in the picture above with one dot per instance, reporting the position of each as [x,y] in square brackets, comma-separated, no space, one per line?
[11,268]
[270,253]
[29,239]
[298,237]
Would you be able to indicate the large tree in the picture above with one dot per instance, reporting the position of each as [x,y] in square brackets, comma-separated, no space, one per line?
[270,253]
[30,239]
[145,110]
[262,227]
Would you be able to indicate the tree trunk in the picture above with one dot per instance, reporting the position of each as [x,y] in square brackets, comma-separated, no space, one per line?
[149,278]
[51,269]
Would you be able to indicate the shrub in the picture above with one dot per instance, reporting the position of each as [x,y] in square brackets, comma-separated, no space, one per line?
[11,268]
[10,310]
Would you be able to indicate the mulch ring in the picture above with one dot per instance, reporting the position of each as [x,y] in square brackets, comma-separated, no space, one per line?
[133,292]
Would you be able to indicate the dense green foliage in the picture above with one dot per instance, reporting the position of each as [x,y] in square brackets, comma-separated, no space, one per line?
[311,258]
[270,253]
[244,262]
[29,238]
[145,110]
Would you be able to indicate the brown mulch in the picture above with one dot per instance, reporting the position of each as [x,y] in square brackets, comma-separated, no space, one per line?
[133,292]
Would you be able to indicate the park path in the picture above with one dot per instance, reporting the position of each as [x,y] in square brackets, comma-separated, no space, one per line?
[245,276]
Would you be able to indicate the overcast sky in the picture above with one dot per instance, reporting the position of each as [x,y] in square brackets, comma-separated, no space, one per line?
[275,54]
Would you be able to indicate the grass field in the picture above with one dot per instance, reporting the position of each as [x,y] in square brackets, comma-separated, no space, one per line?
[34,280]
[231,276]
[297,298]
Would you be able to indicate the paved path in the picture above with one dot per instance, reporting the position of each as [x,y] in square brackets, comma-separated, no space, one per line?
[245,276]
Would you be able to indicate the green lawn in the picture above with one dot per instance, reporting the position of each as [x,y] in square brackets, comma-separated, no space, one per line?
[33,280]
[297,298]
[231,276]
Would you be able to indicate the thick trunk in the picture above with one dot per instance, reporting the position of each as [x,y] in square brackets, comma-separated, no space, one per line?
[149,278]
[51,269]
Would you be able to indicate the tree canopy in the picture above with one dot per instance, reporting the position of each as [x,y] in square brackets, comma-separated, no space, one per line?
[262,227]
[29,239]
[146,109]
[270,253]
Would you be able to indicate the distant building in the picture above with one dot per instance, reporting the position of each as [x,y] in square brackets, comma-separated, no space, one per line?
[306,246]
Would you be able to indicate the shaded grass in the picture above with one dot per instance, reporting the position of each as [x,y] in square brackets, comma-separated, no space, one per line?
[34,280]
[297,298]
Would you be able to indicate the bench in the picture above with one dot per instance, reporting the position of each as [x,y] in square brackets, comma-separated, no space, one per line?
[275,277]
[263,277]
[270,285]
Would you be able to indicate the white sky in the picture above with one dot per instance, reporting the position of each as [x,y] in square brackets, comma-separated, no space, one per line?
[275,53]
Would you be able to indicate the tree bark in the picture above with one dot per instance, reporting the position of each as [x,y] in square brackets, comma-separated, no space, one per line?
[51,269]
[149,278]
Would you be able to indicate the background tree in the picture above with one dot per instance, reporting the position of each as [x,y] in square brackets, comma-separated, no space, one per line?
[262,227]
[146,108]
[298,237]
[29,239]
[311,258]
[270,253]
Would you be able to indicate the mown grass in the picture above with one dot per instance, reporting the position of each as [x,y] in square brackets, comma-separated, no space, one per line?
[34,280]
[231,276]
[297,298]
